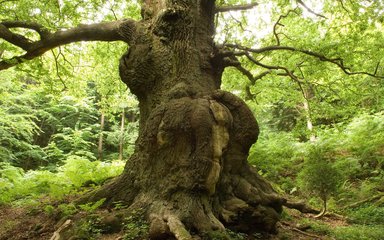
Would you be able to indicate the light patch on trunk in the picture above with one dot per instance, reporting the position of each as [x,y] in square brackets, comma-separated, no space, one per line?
[220,138]
[161,135]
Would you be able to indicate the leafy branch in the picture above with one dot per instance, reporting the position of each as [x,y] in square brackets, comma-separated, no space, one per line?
[336,61]
[309,9]
[108,31]
[278,23]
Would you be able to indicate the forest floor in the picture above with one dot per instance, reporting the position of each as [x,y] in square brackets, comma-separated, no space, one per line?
[40,221]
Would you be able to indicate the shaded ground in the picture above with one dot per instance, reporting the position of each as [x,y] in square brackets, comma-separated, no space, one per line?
[40,223]
[23,223]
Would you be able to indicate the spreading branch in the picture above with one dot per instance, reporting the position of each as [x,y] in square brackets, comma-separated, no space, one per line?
[342,5]
[56,57]
[286,72]
[310,10]
[236,7]
[14,38]
[41,30]
[275,33]
[122,30]
[337,61]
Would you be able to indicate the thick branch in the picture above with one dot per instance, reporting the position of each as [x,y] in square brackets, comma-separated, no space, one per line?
[337,61]
[236,7]
[28,25]
[123,30]
[14,38]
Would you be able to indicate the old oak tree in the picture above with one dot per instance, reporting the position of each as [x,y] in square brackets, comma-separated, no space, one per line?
[189,172]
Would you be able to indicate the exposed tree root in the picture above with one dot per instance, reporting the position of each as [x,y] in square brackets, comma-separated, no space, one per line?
[57,235]
[287,225]
[335,215]
[300,206]
[177,228]
[304,208]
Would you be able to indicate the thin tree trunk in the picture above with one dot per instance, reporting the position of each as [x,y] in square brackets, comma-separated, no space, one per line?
[307,95]
[324,210]
[101,136]
[121,140]
[308,115]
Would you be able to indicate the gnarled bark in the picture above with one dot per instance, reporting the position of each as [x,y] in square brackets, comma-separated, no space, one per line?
[189,171]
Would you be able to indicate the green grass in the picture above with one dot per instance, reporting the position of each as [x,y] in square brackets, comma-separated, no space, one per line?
[359,232]
[367,215]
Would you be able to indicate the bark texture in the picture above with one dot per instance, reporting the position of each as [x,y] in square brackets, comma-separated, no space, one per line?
[189,172]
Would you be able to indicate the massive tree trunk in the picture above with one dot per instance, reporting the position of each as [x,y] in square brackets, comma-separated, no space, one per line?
[189,172]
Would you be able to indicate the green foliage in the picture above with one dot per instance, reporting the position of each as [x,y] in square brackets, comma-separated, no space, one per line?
[367,215]
[356,232]
[67,210]
[17,129]
[317,226]
[351,232]
[318,176]
[348,156]
[40,129]
[91,207]
[87,228]
[224,235]
[19,186]
[119,205]
[365,140]
[49,209]
[276,155]
[135,227]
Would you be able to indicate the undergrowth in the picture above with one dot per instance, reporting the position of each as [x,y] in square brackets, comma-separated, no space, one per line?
[20,187]
[359,232]
[349,232]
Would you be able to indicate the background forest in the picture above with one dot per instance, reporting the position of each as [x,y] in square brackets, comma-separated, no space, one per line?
[67,121]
